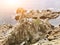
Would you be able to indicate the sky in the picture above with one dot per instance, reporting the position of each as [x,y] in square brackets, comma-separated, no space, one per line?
[12,5]
[8,7]
[35,4]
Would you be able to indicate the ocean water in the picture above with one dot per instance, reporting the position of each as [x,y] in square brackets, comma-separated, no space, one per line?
[7,19]
[55,22]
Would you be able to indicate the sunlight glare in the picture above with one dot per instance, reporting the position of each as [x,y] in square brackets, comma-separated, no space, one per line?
[12,2]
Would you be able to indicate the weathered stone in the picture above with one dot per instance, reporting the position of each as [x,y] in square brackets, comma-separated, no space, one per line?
[30,31]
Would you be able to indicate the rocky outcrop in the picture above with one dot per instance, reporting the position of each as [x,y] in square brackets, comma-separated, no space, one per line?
[41,14]
[29,30]
[4,33]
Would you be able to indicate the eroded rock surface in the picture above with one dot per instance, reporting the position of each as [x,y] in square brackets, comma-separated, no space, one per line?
[31,30]
[26,31]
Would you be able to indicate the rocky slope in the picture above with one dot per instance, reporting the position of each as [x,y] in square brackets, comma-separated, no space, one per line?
[30,31]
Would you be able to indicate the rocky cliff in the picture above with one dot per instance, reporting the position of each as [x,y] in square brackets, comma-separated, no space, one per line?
[30,31]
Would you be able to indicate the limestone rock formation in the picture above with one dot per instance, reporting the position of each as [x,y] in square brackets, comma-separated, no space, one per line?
[30,29]
[27,31]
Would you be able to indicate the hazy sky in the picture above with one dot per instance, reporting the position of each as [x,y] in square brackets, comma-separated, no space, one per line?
[8,5]
[37,4]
